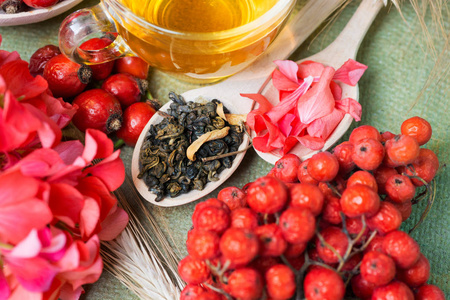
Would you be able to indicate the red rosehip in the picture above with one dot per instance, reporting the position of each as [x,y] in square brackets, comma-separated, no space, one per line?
[126,88]
[267,195]
[399,188]
[233,197]
[416,275]
[97,110]
[40,3]
[394,290]
[402,248]
[323,166]
[297,224]
[303,175]
[193,271]
[40,58]
[135,118]
[387,219]
[239,246]
[203,244]
[132,65]
[364,132]
[368,154]
[66,78]
[286,168]
[244,218]
[363,177]
[305,195]
[417,128]
[336,239]
[377,268]
[99,71]
[272,242]
[245,284]
[359,199]
[402,149]
[321,283]
[343,153]
[280,282]
[429,292]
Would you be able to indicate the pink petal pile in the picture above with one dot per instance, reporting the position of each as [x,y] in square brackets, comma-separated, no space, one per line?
[55,205]
[310,106]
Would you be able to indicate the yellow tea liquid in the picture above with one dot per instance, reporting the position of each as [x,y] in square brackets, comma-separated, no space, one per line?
[198,58]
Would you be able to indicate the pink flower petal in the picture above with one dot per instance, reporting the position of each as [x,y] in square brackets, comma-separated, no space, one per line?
[56,249]
[71,258]
[113,225]
[336,90]
[350,106]
[68,293]
[4,287]
[285,124]
[60,111]
[310,68]
[49,133]
[89,219]
[111,171]
[282,83]
[69,151]
[323,127]
[34,274]
[288,68]
[28,247]
[350,72]
[97,145]
[317,101]
[66,203]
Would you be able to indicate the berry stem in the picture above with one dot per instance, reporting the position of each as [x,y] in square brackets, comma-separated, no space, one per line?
[323,242]
[220,291]
[334,189]
[119,144]
[431,191]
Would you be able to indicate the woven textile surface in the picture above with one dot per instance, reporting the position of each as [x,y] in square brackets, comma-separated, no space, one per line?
[399,65]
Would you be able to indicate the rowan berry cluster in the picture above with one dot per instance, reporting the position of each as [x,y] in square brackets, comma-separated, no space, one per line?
[324,228]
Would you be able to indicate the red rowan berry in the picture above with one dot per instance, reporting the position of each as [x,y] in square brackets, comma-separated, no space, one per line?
[364,132]
[416,275]
[336,239]
[244,218]
[203,244]
[233,197]
[417,128]
[394,290]
[403,249]
[377,268]
[267,195]
[429,292]
[321,283]
[245,284]
[368,154]
[305,195]
[402,149]
[363,177]
[387,219]
[323,166]
[280,282]
[239,246]
[193,271]
[272,242]
[298,225]
[303,175]
[359,199]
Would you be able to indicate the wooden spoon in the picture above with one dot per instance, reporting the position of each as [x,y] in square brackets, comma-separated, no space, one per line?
[344,47]
[251,80]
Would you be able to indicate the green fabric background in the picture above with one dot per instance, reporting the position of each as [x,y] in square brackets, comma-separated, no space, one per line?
[398,70]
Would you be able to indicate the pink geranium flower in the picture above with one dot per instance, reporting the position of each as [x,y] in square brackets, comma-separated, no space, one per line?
[309,109]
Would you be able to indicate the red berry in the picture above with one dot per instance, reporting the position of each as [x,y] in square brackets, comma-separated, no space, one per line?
[239,246]
[332,210]
[403,249]
[66,78]
[396,290]
[354,226]
[377,268]
[343,153]
[132,65]
[262,264]
[416,275]
[40,3]
[336,239]
[135,118]
[209,295]
[191,292]
[359,199]
[297,224]
[303,175]
[286,168]
[402,149]
[245,284]
[404,208]
[202,244]
[368,154]
[352,263]
[233,197]
[399,188]
[210,202]
[295,250]
[382,175]
[386,135]
[305,195]
[267,195]
[323,166]
[280,282]
[364,132]
[361,287]
[193,271]
[417,128]
[40,58]
[272,242]
[321,283]
[387,219]
[97,110]
[429,292]
[376,244]
[125,88]
[99,71]
[212,218]
[363,177]
[244,218]
[425,166]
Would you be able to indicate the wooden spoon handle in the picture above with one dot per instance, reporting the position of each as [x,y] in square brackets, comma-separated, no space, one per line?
[293,35]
